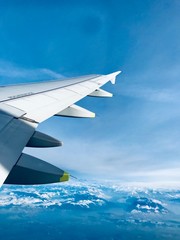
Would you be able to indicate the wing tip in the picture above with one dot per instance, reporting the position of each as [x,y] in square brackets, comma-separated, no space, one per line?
[113,76]
[117,72]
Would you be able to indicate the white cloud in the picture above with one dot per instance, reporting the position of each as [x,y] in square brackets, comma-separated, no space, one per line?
[157,86]
[10,72]
[111,160]
[150,94]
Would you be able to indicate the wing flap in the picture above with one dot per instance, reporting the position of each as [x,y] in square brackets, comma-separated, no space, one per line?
[10,110]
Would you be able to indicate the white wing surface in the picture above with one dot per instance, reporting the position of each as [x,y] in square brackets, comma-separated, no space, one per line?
[23,107]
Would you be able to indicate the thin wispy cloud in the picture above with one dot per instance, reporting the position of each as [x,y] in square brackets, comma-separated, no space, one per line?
[150,94]
[156,86]
[10,72]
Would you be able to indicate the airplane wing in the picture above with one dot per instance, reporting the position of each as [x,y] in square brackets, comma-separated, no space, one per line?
[23,107]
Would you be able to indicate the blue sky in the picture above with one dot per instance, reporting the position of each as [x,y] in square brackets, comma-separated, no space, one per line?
[135,136]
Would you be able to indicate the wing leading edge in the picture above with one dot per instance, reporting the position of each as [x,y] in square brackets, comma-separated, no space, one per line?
[23,107]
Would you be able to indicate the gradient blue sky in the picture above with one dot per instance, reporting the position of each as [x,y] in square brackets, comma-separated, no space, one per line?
[136,134]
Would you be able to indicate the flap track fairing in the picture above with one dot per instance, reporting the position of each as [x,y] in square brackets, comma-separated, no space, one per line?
[31,170]
[76,112]
[100,93]
[42,140]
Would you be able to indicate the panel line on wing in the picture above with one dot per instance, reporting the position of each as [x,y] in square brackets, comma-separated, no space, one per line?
[60,85]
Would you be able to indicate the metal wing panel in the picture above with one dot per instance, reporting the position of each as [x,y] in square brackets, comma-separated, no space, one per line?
[59,94]
[39,114]
[89,85]
[30,103]
[82,90]
[22,90]
[42,106]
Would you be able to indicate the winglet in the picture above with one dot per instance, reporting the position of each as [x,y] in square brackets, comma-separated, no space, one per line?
[113,76]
